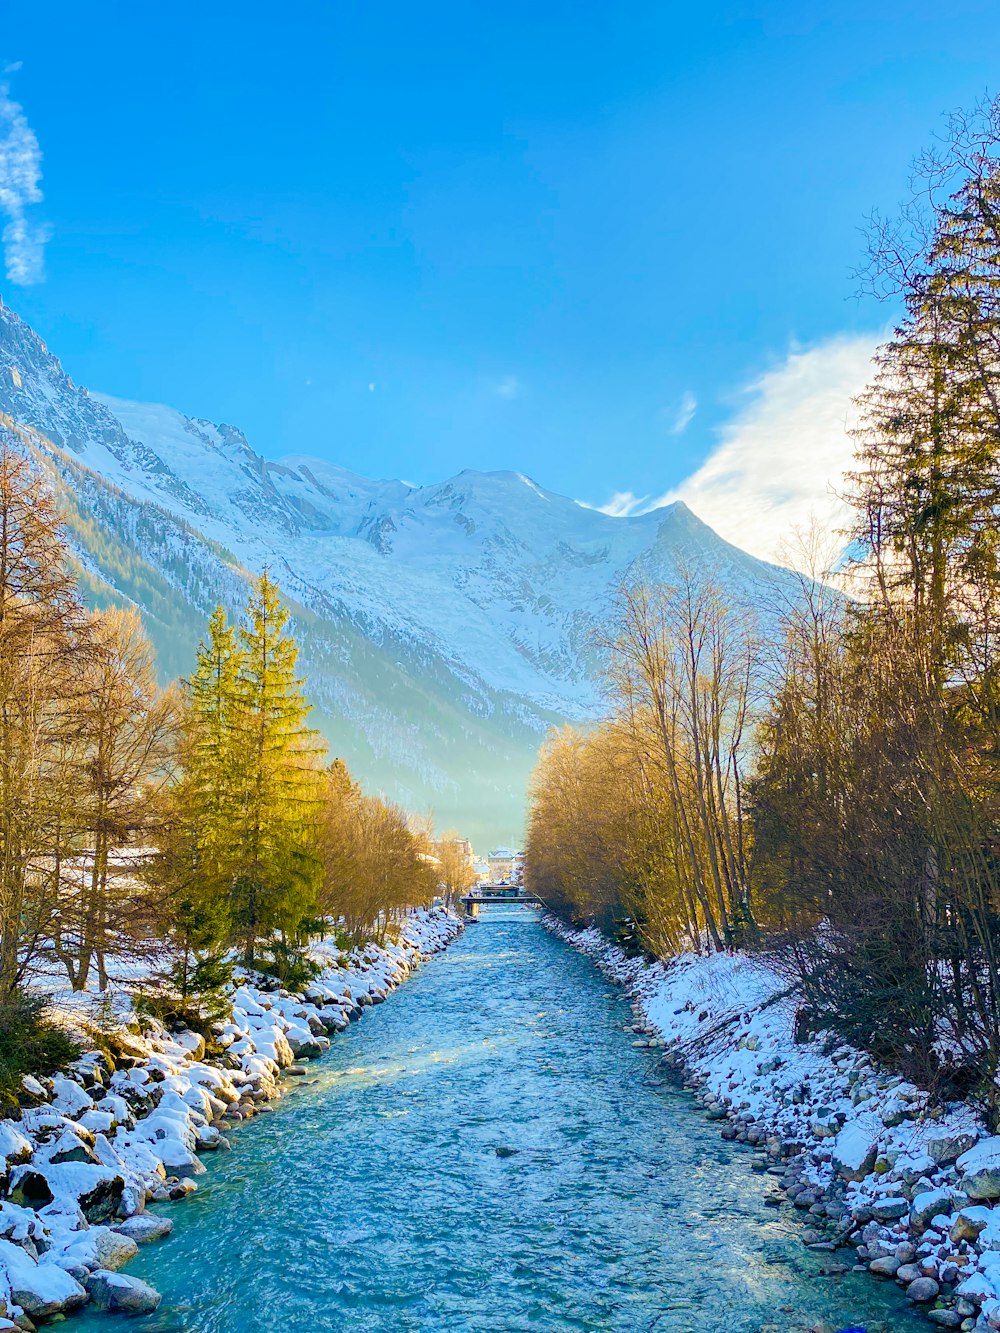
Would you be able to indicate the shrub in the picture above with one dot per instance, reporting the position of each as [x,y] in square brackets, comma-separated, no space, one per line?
[30,1043]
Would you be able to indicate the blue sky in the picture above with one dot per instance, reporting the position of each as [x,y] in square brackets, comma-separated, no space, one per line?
[584,241]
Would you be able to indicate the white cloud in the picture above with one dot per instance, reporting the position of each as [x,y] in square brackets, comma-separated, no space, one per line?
[508,387]
[685,413]
[20,174]
[780,461]
[621,504]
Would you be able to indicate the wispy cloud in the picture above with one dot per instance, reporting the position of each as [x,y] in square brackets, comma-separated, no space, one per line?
[508,387]
[780,461]
[685,413]
[621,504]
[20,173]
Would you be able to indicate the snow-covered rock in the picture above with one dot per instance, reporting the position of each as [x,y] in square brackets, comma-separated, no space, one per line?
[40,1289]
[119,1293]
[856,1148]
[980,1169]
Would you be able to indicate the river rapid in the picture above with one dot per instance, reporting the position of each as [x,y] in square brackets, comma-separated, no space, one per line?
[488,1152]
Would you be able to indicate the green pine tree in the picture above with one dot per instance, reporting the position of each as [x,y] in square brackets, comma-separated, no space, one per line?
[200,852]
[277,759]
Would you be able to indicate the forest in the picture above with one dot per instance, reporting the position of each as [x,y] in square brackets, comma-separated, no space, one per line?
[154,836]
[832,798]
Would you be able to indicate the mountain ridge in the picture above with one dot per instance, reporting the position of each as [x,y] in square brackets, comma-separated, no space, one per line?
[444,627]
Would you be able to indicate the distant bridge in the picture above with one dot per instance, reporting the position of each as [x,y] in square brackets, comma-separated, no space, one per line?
[491,893]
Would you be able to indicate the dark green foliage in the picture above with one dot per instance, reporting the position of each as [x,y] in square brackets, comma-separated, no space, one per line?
[197,1012]
[30,1043]
[287,962]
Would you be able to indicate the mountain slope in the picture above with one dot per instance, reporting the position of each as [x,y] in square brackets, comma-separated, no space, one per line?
[443,627]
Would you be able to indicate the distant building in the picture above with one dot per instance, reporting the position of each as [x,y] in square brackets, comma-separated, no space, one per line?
[506,866]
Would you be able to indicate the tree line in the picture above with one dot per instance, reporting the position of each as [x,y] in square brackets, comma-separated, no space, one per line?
[834,798]
[169,831]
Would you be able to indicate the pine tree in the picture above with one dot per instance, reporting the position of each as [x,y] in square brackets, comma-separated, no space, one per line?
[276,757]
[200,848]
[213,758]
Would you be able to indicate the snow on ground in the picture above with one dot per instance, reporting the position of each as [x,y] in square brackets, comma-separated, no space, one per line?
[93,1146]
[858,1149]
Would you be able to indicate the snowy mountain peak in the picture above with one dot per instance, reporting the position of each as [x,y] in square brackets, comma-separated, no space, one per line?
[444,626]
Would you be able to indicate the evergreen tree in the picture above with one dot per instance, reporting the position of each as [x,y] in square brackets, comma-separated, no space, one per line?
[200,848]
[213,759]
[276,758]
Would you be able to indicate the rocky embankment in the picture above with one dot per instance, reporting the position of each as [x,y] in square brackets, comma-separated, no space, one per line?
[915,1188]
[94,1145]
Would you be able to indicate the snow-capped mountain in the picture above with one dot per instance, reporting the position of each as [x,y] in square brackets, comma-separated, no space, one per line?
[443,627]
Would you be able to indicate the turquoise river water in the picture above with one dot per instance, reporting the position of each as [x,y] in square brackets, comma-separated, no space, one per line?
[488,1152]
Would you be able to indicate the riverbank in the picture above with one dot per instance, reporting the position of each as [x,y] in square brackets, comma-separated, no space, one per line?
[859,1150]
[95,1144]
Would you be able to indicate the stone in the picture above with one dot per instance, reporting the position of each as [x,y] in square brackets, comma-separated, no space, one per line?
[113,1249]
[854,1151]
[945,1318]
[922,1290]
[908,1273]
[144,1227]
[969,1223]
[949,1148]
[980,1169]
[889,1210]
[193,1043]
[983,1184]
[41,1290]
[888,1266]
[928,1204]
[120,1294]
[825,1128]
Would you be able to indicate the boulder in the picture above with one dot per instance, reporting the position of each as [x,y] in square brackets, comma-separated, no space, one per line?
[980,1169]
[922,1290]
[945,1318]
[889,1210]
[193,1043]
[69,1097]
[968,1223]
[854,1151]
[976,1288]
[888,1266]
[41,1290]
[15,1149]
[120,1294]
[113,1250]
[96,1190]
[928,1203]
[947,1148]
[144,1227]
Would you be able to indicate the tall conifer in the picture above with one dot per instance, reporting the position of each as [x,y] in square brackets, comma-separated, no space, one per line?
[277,758]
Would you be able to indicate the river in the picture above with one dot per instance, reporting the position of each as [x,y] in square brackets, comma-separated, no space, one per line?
[488,1152]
